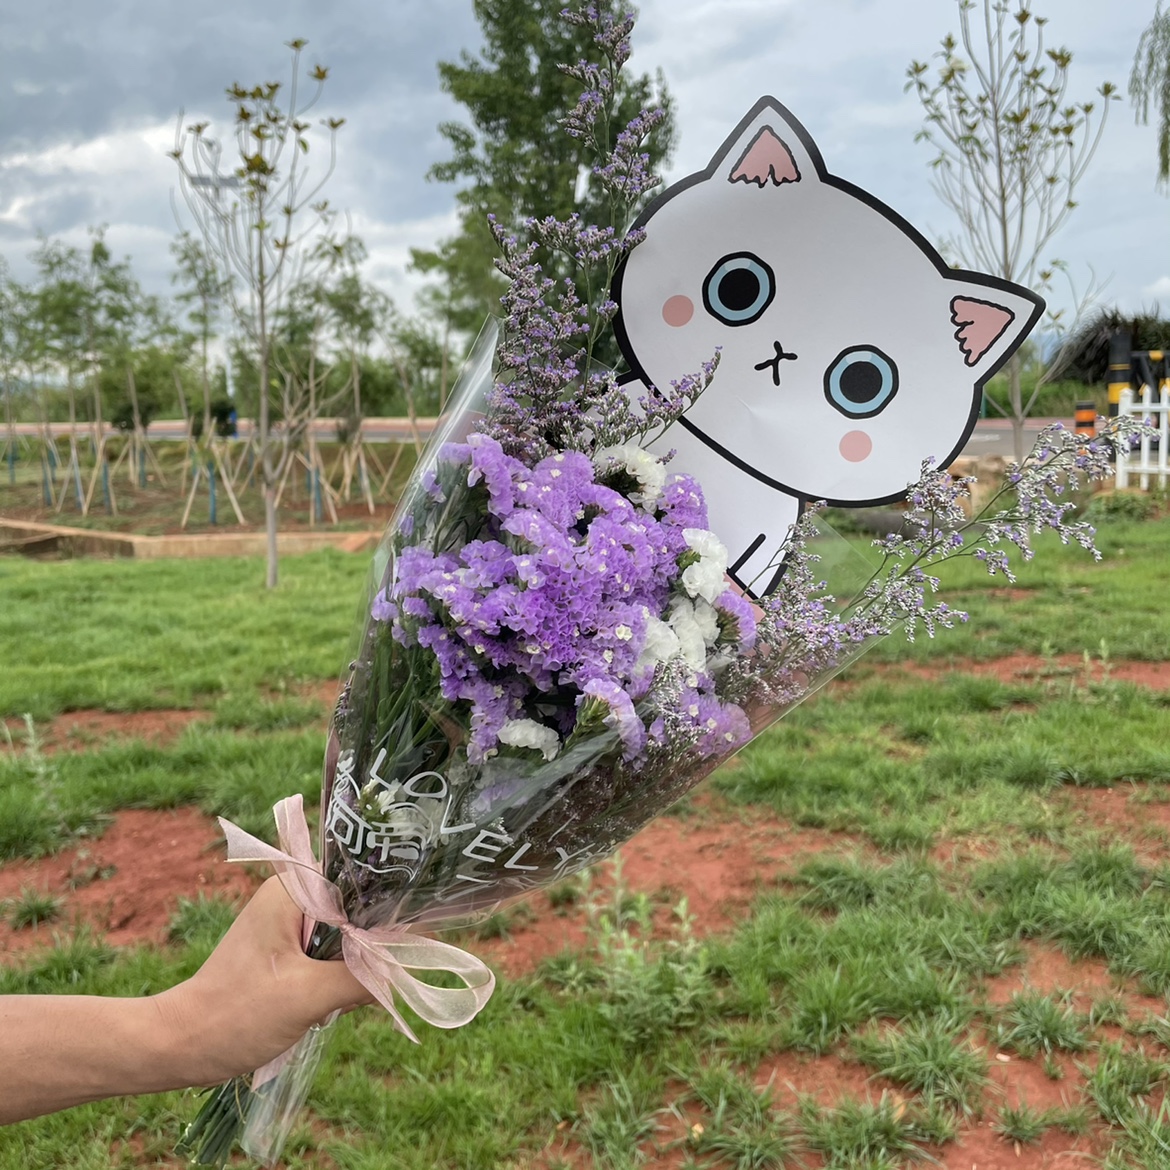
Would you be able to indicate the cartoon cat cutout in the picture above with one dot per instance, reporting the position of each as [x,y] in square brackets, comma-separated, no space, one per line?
[848,350]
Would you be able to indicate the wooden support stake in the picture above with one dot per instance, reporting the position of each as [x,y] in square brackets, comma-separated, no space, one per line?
[227,483]
[191,498]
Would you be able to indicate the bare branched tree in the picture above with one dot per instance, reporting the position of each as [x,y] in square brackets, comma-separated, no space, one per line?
[1010,147]
[261,216]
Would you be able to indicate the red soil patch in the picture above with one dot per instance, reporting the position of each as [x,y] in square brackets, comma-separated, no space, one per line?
[1047,970]
[81,730]
[979,1147]
[1137,814]
[324,693]
[718,864]
[127,883]
[1032,668]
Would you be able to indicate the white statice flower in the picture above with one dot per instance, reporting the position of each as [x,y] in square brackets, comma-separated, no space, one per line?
[707,620]
[660,645]
[376,797]
[706,578]
[689,632]
[527,733]
[647,469]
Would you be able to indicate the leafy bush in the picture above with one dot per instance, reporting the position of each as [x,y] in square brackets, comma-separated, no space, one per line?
[1121,506]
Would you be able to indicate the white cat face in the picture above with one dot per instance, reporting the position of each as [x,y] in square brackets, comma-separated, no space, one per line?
[849,352]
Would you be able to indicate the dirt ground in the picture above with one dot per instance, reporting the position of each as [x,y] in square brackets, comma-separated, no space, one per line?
[126,884]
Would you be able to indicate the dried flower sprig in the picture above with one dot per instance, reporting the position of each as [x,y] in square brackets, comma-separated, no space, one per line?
[811,633]
[551,394]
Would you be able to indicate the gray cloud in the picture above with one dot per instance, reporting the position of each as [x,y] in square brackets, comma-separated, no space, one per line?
[89,94]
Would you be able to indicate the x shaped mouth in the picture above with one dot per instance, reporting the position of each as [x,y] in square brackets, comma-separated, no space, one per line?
[773,363]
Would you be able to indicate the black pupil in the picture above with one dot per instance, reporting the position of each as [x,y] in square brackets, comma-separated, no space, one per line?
[861,382]
[739,289]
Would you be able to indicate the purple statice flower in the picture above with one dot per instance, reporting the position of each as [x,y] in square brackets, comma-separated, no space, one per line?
[719,727]
[382,609]
[553,586]
[604,699]
[496,470]
[737,620]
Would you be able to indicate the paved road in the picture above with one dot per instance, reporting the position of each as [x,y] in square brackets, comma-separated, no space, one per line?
[992,436]
[376,430]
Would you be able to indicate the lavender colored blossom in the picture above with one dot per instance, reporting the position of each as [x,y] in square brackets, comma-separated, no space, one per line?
[552,585]
[617,713]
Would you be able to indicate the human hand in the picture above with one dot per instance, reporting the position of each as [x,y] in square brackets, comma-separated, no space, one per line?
[257,994]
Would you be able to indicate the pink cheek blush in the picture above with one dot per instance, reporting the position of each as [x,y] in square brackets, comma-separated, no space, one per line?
[856,446]
[677,311]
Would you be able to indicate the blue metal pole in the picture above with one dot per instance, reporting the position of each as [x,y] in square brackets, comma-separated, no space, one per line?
[211,512]
[106,485]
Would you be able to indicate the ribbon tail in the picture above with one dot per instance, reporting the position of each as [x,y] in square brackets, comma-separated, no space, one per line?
[380,963]
[377,979]
[317,897]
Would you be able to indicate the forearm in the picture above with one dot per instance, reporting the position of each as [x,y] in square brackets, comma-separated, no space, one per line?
[64,1050]
[252,1000]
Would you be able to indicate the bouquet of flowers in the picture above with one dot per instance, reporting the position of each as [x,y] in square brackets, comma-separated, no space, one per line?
[553,651]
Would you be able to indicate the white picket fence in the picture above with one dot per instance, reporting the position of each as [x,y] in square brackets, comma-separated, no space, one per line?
[1143,462]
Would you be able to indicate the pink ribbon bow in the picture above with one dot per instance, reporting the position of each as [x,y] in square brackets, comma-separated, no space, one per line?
[378,958]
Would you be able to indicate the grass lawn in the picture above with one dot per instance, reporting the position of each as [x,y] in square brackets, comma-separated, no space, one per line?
[985,843]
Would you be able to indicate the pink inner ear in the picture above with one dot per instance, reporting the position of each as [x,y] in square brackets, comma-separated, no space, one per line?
[980,326]
[766,159]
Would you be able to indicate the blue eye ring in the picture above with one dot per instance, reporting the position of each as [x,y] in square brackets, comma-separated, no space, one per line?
[734,274]
[850,384]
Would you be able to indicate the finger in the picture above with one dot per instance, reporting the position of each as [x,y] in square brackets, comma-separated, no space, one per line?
[334,987]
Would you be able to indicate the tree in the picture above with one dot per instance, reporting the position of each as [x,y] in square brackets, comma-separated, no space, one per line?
[1149,83]
[264,233]
[10,300]
[1011,148]
[204,293]
[515,160]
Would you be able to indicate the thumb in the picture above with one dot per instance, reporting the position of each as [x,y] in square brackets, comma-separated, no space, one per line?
[328,986]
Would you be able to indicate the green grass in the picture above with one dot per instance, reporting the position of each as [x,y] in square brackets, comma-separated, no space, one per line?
[1055,400]
[31,907]
[225,774]
[1034,1023]
[892,977]
[1021,1123]
[904,763]
[931,1056]
[856,1134]
[133,635]
[126,635]
[1072,603]
[875,952]
[201,920]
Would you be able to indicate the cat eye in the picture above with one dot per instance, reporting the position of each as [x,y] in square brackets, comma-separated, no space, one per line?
[739,288]
[861,381]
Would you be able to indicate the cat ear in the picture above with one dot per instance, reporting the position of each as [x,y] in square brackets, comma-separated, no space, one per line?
[990,319]
[769,148]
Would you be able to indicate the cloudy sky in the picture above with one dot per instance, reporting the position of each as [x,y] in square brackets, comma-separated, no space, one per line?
[90,93]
